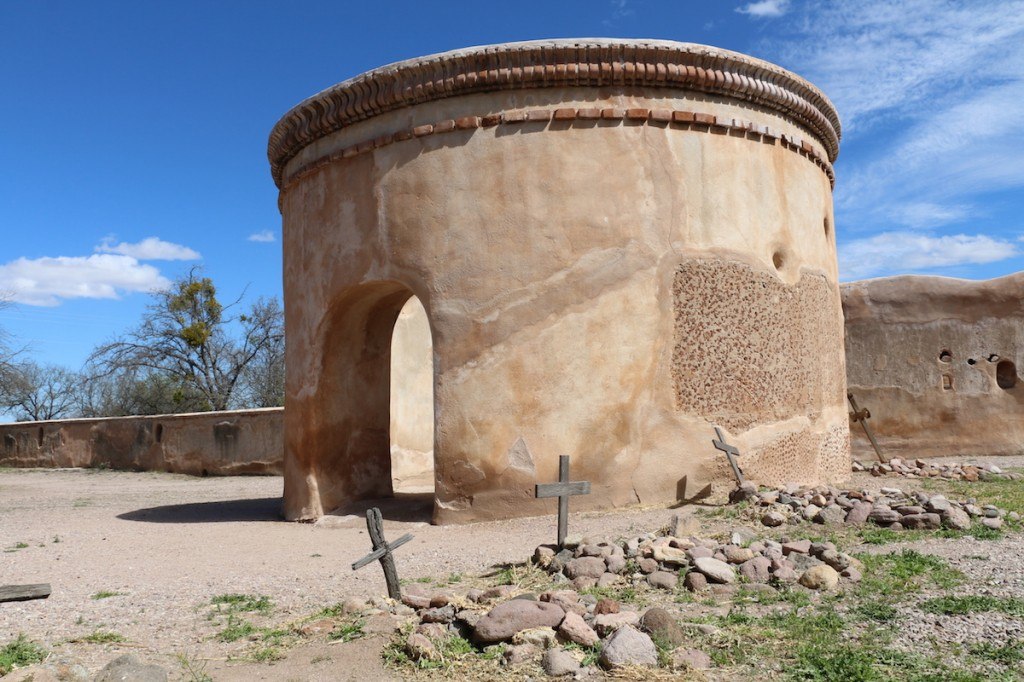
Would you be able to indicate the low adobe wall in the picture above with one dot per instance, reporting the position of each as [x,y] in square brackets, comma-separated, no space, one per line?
[210,443]
[936,361]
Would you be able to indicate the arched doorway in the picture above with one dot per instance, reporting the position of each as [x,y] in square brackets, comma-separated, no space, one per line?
[412,401]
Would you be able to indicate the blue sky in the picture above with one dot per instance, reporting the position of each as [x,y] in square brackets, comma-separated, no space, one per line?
[134,133]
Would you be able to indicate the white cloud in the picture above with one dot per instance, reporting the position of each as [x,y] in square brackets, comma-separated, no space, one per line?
[45,281]
[899,252]
[150,248]
[765,9]
[262,236]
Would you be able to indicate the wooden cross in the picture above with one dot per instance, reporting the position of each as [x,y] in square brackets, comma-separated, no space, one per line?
[562,490]
[24,592]
[382,551]
[862,416]
[731,453]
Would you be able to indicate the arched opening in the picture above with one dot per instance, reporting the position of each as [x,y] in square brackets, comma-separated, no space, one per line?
[945,356]
[1006,374]
[412,401]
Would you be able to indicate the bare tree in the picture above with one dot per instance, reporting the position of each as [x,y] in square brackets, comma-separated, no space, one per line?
[128,392]
[36,392]
[186,335]
[8,354]
[264,376]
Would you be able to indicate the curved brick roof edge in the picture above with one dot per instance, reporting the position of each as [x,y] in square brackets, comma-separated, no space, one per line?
[586,62]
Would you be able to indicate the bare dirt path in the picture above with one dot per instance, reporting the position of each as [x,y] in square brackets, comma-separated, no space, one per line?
[167,544]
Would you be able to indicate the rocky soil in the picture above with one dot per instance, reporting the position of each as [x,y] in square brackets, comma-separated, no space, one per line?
[150,565]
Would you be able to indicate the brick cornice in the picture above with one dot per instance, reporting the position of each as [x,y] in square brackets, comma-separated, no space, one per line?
[548,64]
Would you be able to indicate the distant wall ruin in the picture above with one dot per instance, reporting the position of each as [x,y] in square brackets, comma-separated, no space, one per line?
[201,444]
[937,362]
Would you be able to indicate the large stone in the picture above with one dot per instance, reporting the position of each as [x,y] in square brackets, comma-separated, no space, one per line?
[659,624]
[559,662]
[884,517]
[955,518]
[663,580]
[691,659]
[575,629]
[610,622]
[715,570]
[858,513]
[695,581]
[756,570]
[921,521]
[629,646]
[585,567]
[737,555]
[670,555]
[503,621]
[831,515]
[420,648]
[822,577]
[773,519]
[128,667]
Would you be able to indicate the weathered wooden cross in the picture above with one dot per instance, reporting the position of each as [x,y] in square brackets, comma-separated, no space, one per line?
[731,453]
[562,490]
[382,551]
[862,416]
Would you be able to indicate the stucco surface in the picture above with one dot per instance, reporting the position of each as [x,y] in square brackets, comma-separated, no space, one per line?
[563,265]
[211,443]
[925,355]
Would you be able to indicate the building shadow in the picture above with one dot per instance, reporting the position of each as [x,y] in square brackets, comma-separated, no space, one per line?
[403,507]
[254,509]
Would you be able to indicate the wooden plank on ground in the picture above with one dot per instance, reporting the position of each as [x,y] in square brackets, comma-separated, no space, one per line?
[24,592]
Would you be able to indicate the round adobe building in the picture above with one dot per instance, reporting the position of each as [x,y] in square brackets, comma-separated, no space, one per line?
[618,245]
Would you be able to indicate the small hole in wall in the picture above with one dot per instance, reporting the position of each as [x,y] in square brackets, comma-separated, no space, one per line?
[945,356]
[993,358]
[828,227]
[777,260]
[971,361]
[947,382]
[158,433]
[41,434]
[1006,375]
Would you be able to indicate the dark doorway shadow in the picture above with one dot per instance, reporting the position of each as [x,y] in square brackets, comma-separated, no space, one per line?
[406,507]
[255,509]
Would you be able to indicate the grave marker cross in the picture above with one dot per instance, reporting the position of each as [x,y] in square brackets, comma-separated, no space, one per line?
[382,551]
[862,416]
[562,490]
[731,453]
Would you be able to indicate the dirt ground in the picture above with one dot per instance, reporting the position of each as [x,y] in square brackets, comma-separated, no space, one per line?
[167,544]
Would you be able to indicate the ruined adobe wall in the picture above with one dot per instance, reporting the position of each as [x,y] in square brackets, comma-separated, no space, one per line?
[205,443]
[936,361]
[618,244]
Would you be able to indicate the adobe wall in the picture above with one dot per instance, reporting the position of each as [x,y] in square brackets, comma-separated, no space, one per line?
[936,361]
[617,245]
[205,443]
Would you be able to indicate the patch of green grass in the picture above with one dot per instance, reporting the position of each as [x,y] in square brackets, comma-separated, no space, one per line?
[897,573]
[16,546]
[19,653]
[267,654]
[105,594]
[627,594]
[236,629]
[239,603]
[974,603]
[346,632]
[1008,495]
[102,637]
[877,611]
[80,502]
[332,611]
[454,578]
[194,670]
[451,651]
[1009,654]
[842,663]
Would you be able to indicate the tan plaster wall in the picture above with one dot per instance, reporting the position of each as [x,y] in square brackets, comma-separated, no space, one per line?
[896,330]
[209,443]
[412,401]
[546,257]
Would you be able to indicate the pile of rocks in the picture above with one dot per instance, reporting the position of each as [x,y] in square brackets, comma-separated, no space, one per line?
[889,507]
[919,468]
[663,561]
[537,629]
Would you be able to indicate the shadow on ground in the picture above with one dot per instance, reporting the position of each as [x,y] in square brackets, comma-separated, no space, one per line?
[255,509]
[404,507]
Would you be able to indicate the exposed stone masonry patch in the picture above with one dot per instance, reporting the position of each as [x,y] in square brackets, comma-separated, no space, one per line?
[585,118]
[737,332]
